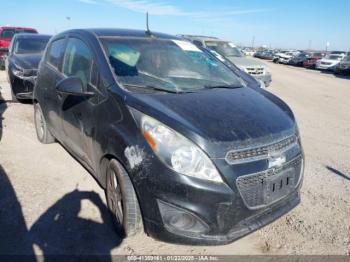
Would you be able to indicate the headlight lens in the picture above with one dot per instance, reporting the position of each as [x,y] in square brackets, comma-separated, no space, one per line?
[177,152]
[18,71]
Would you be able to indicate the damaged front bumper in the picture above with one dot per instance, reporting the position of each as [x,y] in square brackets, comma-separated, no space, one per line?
[266,78]
[186,210]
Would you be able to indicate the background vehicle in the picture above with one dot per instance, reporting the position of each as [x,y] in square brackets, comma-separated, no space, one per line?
[6,34]
[248,51]
[329,62]
[344,66]
[299,59]
[22,63]
[234,55]
[284,58]
[266,54]
[134,111]
[311,60]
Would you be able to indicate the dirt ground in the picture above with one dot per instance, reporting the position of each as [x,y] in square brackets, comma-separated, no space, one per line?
[49,204]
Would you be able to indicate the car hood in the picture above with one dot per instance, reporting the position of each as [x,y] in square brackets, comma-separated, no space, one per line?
[27,61]
[329,61]
[219,120]
[245,61]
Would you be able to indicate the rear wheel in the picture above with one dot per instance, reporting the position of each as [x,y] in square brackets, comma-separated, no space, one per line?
[122,201]
[42,132]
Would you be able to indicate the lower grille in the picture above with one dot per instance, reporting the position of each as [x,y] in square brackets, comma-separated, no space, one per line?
[256,189]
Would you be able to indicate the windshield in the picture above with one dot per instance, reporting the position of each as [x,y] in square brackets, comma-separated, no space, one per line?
[170,65]
[7,33]
[26,45]
[224,48]
[334,57]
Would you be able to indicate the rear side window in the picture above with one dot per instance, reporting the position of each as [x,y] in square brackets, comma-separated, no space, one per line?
[78,61]
[55,52]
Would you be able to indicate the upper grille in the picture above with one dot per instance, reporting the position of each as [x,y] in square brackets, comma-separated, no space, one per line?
[256,153]
[255,70]
[254,187]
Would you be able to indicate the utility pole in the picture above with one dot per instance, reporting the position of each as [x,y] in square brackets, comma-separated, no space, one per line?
[253,41]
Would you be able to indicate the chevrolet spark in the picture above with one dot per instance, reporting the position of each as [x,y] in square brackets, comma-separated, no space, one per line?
[187,149]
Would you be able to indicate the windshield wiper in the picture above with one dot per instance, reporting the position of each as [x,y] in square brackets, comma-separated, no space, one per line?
[222,86]
[152,88]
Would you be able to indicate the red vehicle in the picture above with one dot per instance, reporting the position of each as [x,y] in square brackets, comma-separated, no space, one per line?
[6,34]
[312,59]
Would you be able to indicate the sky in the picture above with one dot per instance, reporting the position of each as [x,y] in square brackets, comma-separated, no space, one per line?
[299,24]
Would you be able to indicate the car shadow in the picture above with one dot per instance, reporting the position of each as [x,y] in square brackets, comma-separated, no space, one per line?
[60,230]
[342,76]
[14,236]
[335,171]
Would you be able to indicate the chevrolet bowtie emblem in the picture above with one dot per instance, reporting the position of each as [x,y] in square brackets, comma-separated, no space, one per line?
[276,161]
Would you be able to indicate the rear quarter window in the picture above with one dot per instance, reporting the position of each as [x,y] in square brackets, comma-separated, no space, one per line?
[54,55]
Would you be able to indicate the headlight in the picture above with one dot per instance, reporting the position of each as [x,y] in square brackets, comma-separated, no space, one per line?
[177,152]
[18,71]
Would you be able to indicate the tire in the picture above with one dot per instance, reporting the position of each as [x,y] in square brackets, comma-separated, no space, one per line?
[42,132]
[122,201]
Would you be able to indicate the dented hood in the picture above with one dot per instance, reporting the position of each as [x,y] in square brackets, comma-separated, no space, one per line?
[27,61]
[221,119]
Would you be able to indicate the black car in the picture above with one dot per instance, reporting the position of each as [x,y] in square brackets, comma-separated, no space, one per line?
[299,59]
[22,63]
[184,149]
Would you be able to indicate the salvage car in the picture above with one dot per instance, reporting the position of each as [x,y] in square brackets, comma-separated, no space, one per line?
[343,67]
[299,59]
[230,52]
[184,149]
[22,63]
[311,60]
[6,35]
[329,62]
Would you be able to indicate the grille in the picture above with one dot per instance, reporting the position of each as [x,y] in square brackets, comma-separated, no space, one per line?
[254,187]
[255,70]
[251,154]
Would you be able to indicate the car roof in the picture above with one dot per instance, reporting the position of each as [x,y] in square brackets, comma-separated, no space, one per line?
[17,27]
[29,35]
[117,32]
[203,38]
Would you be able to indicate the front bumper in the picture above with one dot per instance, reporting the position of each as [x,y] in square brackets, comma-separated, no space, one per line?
[325,67]
[219,208]
[266,78]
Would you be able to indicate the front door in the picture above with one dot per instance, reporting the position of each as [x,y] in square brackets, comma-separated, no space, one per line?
[77,111]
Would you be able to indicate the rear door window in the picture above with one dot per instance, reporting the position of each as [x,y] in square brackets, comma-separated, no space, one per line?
[78,61]
[55,53]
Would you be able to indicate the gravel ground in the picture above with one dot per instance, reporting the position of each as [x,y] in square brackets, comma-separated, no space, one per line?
[49,204]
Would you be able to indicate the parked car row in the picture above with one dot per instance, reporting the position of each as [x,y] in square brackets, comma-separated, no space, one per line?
[335,61]
[177,129]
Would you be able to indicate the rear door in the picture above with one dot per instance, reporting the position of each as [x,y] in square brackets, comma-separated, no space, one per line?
[48,77]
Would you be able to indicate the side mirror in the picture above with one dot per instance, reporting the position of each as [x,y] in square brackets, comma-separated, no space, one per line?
[72,86]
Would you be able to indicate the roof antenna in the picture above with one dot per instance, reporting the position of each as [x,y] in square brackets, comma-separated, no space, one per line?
[148,32]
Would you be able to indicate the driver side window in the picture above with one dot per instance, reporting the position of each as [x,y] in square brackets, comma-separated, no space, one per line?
[78,61]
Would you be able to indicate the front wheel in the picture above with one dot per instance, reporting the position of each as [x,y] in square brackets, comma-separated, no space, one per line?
[122,201]
[43,133]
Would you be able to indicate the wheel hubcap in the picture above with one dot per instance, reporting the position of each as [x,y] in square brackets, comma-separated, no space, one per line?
[115,200]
